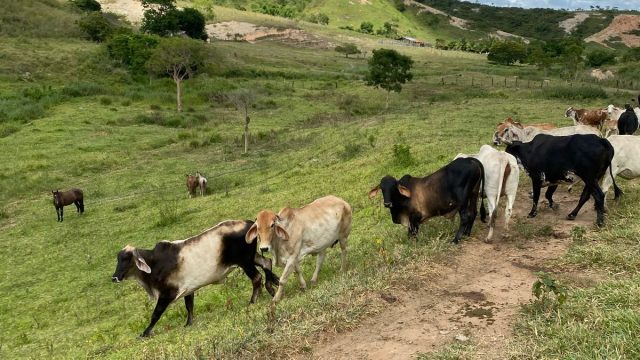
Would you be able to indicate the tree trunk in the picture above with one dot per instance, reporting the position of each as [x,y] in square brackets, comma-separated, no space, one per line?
[246,134]
[179,94]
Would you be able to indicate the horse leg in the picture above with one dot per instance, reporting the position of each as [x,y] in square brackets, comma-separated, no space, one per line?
[61,213]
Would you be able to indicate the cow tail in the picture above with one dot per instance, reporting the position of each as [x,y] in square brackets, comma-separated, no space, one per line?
[483,211]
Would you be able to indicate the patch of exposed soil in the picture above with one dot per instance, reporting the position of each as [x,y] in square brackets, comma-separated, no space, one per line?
[475,295]
[601,75]
[455,21]
[243,31]
[506,35]
[132,10]
[569,24]
[619,30]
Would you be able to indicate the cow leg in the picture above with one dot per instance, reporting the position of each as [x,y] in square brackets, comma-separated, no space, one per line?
[549,195]
[598,197]
[256,279]
[288,268]
[413,229]
[161,306]
[319,260]
[270,278]
[537,185]
[511,198]
[586,192]
[303,284]
[188,303]
[464,219]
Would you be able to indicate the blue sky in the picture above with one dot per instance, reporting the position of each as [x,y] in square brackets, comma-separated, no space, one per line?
[563,4]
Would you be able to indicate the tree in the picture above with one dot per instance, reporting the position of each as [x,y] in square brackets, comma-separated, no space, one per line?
[598,57]
[539,57]
[132,50]
[388,69]
[571,58]
[243,99]
[178,58]
[348,49]
[192,22]
[507,52]
[366,27]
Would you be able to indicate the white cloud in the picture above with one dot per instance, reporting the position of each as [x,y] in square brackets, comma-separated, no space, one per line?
[563,4]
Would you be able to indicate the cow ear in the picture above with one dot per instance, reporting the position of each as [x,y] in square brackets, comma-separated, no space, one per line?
[140,263]
[252,234]
[404,190]
[373,192]
[281,232]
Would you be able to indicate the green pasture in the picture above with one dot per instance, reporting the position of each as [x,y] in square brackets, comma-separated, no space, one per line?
[81,121]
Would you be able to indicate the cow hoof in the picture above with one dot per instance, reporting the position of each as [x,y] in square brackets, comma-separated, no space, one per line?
[571,217]
[554,206]
[532,214]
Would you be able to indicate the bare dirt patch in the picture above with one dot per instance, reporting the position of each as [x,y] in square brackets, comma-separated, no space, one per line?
[476,294]
[569,24]
[132,10]
[619,30]
[243,31]
[455,21]
[601,75]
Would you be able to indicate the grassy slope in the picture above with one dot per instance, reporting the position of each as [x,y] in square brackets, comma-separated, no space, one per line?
[56,277]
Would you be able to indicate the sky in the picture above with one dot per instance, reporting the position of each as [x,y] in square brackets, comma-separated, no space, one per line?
[563,4]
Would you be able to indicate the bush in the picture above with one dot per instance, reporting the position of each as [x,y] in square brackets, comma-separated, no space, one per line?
[319,18]
[366,27]
[80,89]
[349,151]
[597,58]
[87,5]
[132,50]
[348,49]
[632,54]
[574,93]
[507,52]
[402,155]
[167,213]
[96,27]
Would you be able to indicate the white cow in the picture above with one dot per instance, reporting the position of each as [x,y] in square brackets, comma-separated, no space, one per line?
[625,162]
[501,176]
[526,134]
[296,232]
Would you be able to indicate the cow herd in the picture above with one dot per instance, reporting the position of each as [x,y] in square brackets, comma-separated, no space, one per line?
[549,155]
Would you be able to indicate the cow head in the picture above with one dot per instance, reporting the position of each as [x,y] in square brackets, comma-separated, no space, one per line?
[570,113]
[268,226]
[129,260]
[391,190]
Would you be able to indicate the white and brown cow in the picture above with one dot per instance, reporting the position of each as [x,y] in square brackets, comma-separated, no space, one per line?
[514,133]
[294,233]
[595,117]
[501,177]
[508,122]
[176,269]
[625,162]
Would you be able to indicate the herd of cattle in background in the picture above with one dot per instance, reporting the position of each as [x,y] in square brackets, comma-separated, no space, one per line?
[589,150]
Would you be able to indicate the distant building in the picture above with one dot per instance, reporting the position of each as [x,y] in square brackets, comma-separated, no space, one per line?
[409,41]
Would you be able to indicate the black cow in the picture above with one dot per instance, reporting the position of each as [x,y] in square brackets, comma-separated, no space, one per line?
[628,121]
[453,188]
[178,268]
[550,159]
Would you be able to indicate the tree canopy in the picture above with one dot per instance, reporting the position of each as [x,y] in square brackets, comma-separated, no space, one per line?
[388,69]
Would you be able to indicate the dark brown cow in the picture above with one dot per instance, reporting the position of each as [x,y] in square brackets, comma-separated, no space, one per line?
[595,118]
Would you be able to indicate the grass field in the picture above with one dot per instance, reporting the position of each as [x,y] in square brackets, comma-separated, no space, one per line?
[316,130]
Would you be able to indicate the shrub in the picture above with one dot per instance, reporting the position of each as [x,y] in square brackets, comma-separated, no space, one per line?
[348,49]
[366,27]
[80,89]
[632,54]
[597,58]
[319,18]
[87,5]
[402,155]
[349,151]
[192,22]
[167,213]
[96,27]
[132,50]
[574,93]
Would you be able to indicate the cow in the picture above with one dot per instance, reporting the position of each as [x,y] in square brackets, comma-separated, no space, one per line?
[294,233]
[176,269]
[453,188]
[501,177]
[614,112]
[514,133]
[625,162]
[550,159]
[504,125]
[628,121]
[196,183]
[593,118]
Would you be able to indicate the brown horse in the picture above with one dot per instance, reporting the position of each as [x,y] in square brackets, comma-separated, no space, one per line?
[62,199]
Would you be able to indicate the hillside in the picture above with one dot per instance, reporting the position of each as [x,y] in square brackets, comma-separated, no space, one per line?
[72,116]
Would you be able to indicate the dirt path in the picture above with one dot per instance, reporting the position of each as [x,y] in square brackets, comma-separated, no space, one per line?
[475,295]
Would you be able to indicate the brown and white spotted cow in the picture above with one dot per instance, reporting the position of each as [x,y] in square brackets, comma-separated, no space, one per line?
[595,118]
[503,126]
[176,269]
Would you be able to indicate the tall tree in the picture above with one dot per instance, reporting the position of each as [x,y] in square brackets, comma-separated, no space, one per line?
[388,69]
[243,99]
[178,58]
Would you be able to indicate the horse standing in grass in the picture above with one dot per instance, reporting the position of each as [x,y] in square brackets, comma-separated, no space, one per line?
[64,198]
